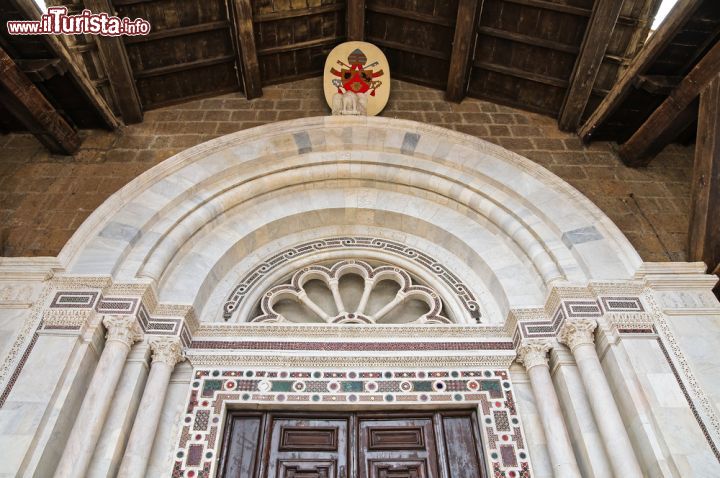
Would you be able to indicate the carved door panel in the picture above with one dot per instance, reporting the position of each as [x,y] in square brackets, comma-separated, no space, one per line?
[352,445]
[308,448]
[397,447]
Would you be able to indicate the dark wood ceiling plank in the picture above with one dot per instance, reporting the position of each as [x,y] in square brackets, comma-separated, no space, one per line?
[704,232]
[525,75]
[247,57]
[298,12]
[462,49]
[355,20]
[594,45]
[22,98]
[178,67]
[659,40]
[117,68]
[569,9]
[177,32]
[376,7]
[528,40]
[30,11]
[409,48]
[300,45]
[638,150]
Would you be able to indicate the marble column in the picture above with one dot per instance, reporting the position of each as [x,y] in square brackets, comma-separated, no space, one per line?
[577,334]
[166,352]
[122,332]
[533,355]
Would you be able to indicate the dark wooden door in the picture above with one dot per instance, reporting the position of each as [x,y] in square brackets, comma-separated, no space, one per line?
[397,447]
[352,445]
[308,448]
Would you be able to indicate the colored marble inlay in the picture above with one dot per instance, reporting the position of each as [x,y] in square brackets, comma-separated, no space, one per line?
[490,390]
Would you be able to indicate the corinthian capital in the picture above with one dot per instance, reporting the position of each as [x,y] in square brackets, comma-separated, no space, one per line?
[531,354]
[122,328]
[577,332]
[167,350]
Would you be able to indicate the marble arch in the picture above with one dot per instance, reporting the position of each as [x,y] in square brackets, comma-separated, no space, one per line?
[580,359]
[199,213]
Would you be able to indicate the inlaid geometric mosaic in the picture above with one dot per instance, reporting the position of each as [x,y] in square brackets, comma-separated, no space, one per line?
[212,390]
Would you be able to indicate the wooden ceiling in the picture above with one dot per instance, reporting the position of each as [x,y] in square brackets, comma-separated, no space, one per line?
[522,53]
[58,80]
[689,32]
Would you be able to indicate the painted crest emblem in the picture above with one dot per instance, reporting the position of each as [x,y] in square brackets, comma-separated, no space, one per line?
[357,79]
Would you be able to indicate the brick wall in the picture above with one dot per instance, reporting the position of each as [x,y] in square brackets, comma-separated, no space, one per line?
[44,198]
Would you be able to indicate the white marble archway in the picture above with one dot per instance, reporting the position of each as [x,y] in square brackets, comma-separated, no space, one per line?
[195,223]
[157,270]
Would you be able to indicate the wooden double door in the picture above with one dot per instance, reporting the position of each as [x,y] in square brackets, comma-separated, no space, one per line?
[352,445]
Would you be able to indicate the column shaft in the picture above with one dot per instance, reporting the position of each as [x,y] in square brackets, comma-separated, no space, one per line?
[167,351]
[617,442]
[558,440]
[141,439]
[562,457]
[94,409]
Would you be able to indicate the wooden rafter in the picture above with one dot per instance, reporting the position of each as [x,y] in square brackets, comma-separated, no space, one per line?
[638,150]
[117,68]
[704,232]
[659,40]
[462,50]
[356,20]
[22,98]
[31,11]
[247,57]
[597,37]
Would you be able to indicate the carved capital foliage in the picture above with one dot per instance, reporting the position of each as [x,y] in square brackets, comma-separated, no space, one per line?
[577,332]
[534,353]
[167,350]
[122,328]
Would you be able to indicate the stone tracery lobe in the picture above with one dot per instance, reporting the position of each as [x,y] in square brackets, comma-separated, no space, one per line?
[372,276]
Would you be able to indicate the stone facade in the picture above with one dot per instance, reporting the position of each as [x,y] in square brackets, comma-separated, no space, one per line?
[124,352]
[45,198]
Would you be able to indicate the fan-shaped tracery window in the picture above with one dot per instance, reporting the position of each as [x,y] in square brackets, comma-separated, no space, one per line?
[352,292]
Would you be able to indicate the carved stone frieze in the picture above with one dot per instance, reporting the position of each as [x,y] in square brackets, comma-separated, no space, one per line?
[230,360]
[66,318]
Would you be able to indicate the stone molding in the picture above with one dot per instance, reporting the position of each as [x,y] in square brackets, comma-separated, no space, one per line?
[123,329]
[577,332]
[167,350]
[533,354]
[616,305]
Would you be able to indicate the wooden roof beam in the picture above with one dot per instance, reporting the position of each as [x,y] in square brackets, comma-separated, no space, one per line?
[638,150]
[22,98]
[355,20]
[462,49]
[704,232]
[31,11]
[247,58]
[597,37]
[117,68]
[659,40]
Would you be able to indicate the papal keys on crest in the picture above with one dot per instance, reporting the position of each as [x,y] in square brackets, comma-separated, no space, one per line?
[355,85]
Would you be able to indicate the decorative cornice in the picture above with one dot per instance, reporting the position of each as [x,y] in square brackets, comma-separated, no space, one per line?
[214,329]
[66,318]
[123,329]
[275,360]
[167,350]
[534,353]
[576,332]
